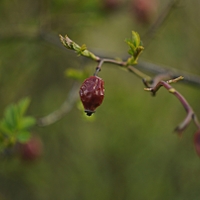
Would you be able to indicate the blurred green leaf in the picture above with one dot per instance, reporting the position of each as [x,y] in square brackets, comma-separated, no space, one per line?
[23,105]
[14,124]
[26,123]
[5,127]
[23,136]
[10,117]
[83,47]
[13,116]
[136,39]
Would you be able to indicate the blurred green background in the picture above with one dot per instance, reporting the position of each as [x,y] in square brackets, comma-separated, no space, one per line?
[129,150]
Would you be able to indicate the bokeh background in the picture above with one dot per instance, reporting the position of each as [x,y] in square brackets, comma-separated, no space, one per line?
[129,150]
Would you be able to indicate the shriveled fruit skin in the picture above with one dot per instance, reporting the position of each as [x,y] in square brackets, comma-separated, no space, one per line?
[92,94]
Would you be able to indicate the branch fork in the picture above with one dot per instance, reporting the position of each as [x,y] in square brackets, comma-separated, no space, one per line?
[190,113]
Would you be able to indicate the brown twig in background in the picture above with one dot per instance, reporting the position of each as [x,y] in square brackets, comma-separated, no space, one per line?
[63,110]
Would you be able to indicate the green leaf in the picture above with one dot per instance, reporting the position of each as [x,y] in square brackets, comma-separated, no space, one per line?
[68,43]
[23,136]
[136,48]
[135,39]
[83,47]
[80,50]
[22,106]
[134,42]
[13,117]
[10,117]
[5,127]
[26,123]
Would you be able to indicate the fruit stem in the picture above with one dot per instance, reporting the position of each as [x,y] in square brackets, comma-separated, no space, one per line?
[121,64]
[107,60]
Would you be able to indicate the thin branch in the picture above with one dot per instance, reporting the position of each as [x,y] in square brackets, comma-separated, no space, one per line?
[143,65]
[108,60]
[190,113]
[189,78]
[162,73]
[121,64]
[139,73]
[63,110]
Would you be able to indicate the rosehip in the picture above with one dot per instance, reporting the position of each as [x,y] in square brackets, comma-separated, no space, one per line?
[31,150]
[197,142]
[92,94]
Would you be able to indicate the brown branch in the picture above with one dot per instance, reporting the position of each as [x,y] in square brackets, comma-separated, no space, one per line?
[190,113]
[169,72]
[142,65]
[63,110]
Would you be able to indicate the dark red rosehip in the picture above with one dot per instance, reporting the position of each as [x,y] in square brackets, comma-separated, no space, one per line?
[197,142]
[92,94]
[31,150]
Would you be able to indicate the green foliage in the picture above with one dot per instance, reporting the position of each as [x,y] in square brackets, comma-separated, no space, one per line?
[134,43]
[136,48]
[15,125]
[118,154]
[80,50]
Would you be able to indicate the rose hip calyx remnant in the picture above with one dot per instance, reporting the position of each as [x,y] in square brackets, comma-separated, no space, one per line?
[92,94]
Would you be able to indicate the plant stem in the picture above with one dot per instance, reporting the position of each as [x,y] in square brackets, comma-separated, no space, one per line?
[121,64]
[63,110]
[190,113]
[108,60]
[139,73]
